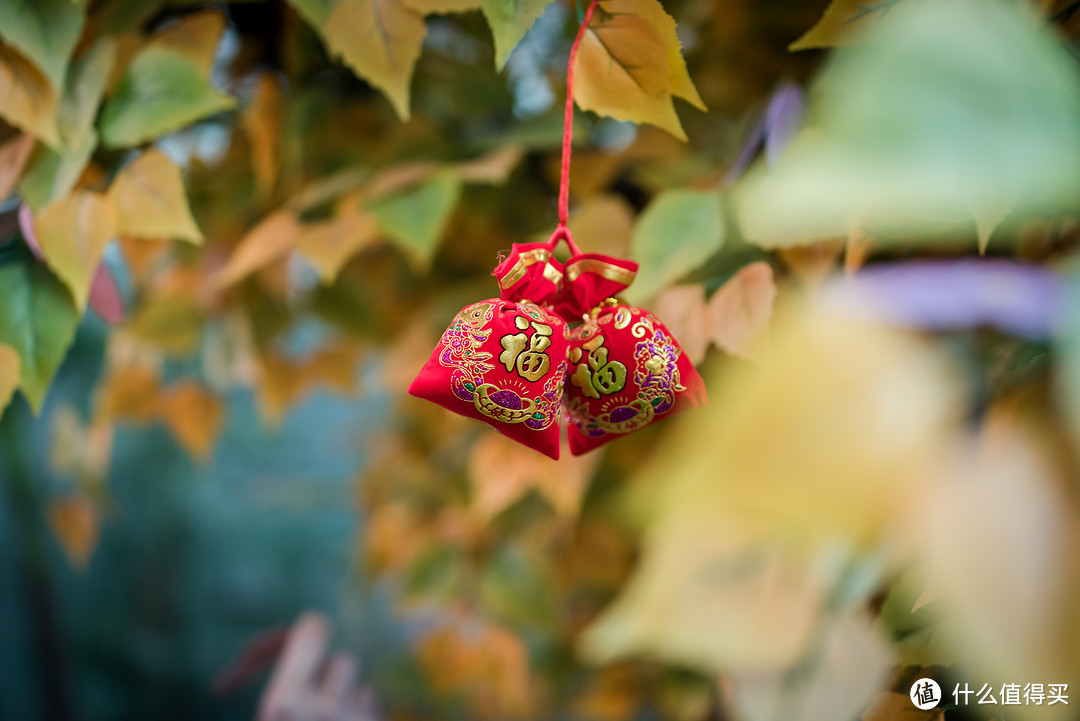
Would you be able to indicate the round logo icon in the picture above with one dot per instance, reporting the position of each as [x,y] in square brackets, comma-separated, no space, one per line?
[925,694]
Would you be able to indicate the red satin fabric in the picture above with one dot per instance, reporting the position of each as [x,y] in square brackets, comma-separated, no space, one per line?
[626,371]
[502,361]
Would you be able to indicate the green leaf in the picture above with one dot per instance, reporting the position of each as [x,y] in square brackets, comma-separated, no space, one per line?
[162,91]
[314,11]
[509,20]
[83,91]
[437,572]
[415,218]
[37,319]
[678,232]
[514,588]
[926,120]
[380,40]
[51,175]
[116,17]
[46,31]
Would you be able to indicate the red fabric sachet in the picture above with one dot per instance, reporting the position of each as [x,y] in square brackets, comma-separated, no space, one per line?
[503,360]
[626,370]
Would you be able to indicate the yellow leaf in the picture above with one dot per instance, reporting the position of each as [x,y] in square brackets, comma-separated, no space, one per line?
[75,522]
[441,7]
[329,244]
[13,156]
[805,460]
[741,308]
[151,201]
[262,122]
[271,239]
[27,98]
[194,36]
[842,20]
[334,366]
[380,40]
[130,392]
[487,664]
[394,535]
[172,323]
[653,13]
[9,374]
[630,65]
[194,415]
[850,663]
[278,385]
[72,234]
[1009,505]
[603,224]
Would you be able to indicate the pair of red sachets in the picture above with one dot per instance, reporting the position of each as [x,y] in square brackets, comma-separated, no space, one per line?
[514,362]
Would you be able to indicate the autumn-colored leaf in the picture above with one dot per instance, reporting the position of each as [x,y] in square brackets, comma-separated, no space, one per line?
[27,99]
[488,664]
[194,36]
[329,244]
[37,319]
[45,31]
[194,415]
[172,323]
[502,471]
[13,156]
[271,239]
[130,392]
[262,121]
[76,523]
[9,374]
[682,309]
[151,200]
[380,40]
[741,308]
[509,20]
[72,234]
[779,475]
[143,255]
[843,19]
[630,65]
[281,382]
[603,224]
[161,91]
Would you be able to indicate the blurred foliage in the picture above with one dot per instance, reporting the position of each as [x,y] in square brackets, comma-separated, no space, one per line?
[273,197]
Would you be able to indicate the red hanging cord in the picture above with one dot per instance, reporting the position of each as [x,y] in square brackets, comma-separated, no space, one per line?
[562,232]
